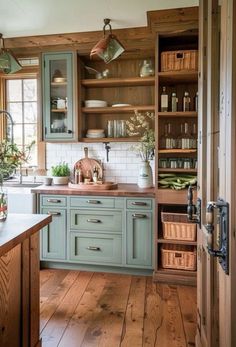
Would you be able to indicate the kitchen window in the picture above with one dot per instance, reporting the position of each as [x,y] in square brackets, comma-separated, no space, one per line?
[21,102]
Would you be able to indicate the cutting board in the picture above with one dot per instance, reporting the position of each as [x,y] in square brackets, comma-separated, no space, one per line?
[94,186]
[87,164]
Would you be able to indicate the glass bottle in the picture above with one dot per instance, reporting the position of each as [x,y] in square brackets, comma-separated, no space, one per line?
[164,100]
[174,102]
[164,137]
[3,204]
[146,69]
[194,136]
[179,137]
[170,140]
[196,102]
[186,139]
[186,102]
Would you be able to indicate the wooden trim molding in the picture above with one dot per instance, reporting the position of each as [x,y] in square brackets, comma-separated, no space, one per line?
[134,39]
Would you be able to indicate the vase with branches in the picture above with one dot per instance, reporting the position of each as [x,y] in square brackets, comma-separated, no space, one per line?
[140,125]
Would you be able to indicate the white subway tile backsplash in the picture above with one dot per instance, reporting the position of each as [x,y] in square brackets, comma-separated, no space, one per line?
[122,166]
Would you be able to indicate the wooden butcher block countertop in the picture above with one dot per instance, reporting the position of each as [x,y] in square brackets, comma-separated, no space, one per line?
[17,227]
[122,190]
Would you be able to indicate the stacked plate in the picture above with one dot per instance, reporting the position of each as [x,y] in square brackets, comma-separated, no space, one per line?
[95,103]
[95,133]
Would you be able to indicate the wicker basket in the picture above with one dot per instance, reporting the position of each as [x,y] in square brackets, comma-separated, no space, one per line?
[176,227]
[179,257]
[179,60]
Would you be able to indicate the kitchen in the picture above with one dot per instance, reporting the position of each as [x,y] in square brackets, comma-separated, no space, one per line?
[96,238]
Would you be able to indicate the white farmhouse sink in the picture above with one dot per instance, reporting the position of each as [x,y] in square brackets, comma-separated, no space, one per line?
[20,199]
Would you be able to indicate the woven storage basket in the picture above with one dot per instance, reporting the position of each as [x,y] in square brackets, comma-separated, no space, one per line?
[179,60]
[179,257]
[176,227]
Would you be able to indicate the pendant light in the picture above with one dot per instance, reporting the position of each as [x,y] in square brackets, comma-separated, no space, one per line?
[8,63]
[109,47]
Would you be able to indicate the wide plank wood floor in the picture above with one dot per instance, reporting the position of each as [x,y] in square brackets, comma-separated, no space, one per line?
[109,310]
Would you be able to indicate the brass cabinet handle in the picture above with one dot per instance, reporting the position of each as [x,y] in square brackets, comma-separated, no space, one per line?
[56,201]
[93,248]
[139,215]
[94,220]
[54,213]
[93,201]
[139,203]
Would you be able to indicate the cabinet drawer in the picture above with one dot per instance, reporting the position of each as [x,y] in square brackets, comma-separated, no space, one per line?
[53,200]
[92,202]
[139,204]
[92,248]
[96,220]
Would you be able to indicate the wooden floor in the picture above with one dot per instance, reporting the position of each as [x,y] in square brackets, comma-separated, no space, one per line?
[110,310]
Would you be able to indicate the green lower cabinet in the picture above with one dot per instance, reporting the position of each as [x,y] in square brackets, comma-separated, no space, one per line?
[139,239]
[91,248]
[53,236]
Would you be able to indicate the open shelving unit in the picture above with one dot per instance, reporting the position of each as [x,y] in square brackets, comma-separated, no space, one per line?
[168,199]
[123,86]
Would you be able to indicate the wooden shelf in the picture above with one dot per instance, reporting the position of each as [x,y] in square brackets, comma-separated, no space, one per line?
[183,277]
[171,196]
[177,242]
[59,110]
[119,82]
[173,151]
[177,170]
[110,139]
[178,114]
[172,77]
[113,110]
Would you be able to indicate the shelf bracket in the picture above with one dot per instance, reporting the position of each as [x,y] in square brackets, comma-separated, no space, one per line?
[107,148]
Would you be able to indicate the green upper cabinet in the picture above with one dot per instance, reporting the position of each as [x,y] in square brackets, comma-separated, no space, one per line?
[59,86]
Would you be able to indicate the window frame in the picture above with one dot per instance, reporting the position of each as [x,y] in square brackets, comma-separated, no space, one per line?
[41,153]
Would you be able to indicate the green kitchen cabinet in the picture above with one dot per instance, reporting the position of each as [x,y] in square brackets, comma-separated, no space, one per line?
[53,236]
[59,104]
[139,238]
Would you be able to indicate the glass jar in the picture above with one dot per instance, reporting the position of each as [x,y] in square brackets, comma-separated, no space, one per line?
[146,69]
[3,204]
[110,128]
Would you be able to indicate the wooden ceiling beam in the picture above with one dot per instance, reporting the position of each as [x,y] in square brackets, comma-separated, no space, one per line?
[134,39]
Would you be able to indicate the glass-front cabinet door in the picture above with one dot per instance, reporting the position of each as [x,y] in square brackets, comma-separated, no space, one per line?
[59,106]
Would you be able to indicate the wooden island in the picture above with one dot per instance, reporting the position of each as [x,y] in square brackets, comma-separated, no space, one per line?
[19,279]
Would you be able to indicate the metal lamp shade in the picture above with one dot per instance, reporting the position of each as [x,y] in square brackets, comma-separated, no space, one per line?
[8,63]
[108,48]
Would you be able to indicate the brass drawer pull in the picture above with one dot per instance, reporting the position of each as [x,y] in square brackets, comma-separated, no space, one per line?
[139,203]
[94,221]
[55,201]
[52,213]
[139,215]
[93,248]
[93,202]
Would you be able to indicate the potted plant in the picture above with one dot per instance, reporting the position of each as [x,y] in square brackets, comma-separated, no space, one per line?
[60,173]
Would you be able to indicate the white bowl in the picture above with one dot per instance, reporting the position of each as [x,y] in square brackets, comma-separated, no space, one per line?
[95,103]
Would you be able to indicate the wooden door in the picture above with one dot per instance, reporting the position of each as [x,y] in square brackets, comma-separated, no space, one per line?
[217,82]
